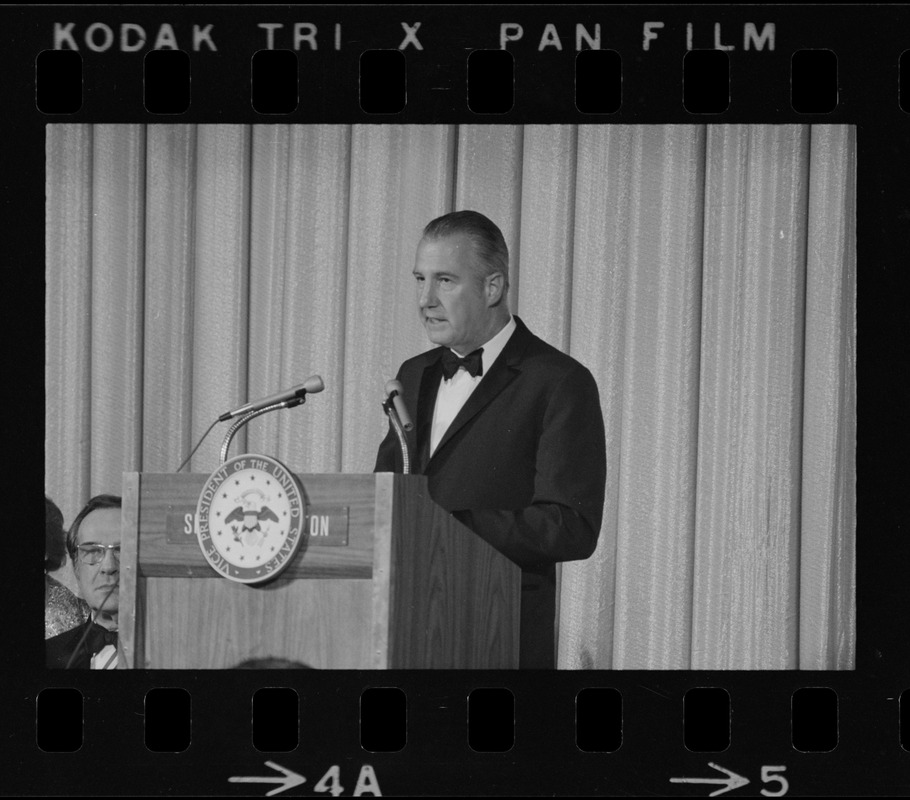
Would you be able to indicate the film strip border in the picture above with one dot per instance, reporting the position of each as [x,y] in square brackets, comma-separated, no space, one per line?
[489,720]
[133,725]
[418,64]
[485,734]
[489,86]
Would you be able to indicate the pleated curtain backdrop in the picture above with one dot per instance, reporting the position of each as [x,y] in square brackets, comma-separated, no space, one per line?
[705,275]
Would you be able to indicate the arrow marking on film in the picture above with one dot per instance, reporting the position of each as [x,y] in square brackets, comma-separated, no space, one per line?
[733,781]
[289,781]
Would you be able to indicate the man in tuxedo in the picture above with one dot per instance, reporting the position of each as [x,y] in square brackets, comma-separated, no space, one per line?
[508,429]
[93,543]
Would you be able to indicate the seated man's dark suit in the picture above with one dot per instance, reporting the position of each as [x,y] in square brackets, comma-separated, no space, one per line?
[59,649]
[523,465]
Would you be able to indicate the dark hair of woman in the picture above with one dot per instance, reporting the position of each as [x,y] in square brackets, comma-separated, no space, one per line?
[54,537]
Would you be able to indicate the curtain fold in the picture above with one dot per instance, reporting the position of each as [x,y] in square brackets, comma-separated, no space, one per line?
[68,316]
[749,457]
[301,195]
[657,425]
[827,626]
[166,426]
[400,179]
[118,261]
[600,253]
[270,274]
[221,282]
[705,275]
[548,221]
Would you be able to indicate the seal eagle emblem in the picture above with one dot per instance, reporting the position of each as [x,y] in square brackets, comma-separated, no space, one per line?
[251,515]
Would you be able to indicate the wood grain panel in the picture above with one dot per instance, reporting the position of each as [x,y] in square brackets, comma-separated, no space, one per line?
[382,568]
[166,494]
[217,624]
[455,600]
[433,595]
[129,569]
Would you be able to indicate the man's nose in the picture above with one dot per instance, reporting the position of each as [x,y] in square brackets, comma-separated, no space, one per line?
[427,296]
[110,562]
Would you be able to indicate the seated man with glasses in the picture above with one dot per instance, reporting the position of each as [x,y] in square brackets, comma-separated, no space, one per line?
[93,543]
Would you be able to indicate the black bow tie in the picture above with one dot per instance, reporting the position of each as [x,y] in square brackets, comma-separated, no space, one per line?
[471,362]
[98,637]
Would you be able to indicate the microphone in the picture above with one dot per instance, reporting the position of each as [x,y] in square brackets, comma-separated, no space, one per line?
[394,407]
[393,390]
[311,385]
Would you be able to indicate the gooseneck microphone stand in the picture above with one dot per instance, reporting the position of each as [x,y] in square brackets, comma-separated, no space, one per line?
[389,407]
[228,437]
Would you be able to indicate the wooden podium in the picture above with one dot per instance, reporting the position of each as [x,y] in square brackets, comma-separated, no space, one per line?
[384,579]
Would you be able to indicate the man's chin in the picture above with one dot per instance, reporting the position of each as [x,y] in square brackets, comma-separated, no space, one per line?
[437,334]
[111,604]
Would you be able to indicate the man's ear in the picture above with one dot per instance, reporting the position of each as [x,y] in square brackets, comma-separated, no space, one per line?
[495,288]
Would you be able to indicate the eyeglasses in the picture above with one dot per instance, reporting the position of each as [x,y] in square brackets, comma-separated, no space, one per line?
[94,553]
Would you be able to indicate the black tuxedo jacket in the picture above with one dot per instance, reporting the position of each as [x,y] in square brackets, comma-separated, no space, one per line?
[59,648]
[523,465]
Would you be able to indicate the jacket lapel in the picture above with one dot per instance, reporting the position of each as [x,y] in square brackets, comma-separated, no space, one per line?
[426,404]
[502,373]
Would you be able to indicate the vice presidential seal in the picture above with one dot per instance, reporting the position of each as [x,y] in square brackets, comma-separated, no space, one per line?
[251,515]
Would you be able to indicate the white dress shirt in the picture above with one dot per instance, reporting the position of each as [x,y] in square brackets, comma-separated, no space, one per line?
[454,393]
[107,657]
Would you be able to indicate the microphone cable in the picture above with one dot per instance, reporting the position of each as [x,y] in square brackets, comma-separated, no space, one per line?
[201,440]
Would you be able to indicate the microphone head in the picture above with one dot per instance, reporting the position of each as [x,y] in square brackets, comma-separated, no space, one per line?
[313,384]
[393,387]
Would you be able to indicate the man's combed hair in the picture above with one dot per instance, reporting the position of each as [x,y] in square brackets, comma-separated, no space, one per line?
[98,501]
[489,243]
